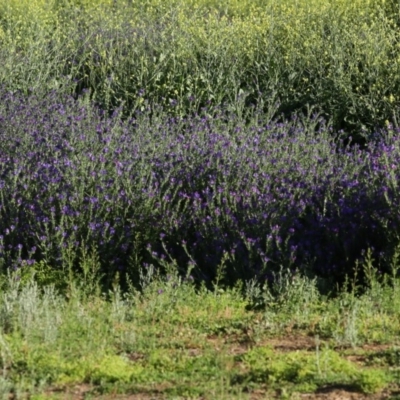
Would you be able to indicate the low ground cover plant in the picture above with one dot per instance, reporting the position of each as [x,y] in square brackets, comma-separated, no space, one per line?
[171,340]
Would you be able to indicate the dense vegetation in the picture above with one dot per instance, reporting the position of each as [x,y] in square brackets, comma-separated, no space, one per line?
[200,136]
[339,56]
[199,199]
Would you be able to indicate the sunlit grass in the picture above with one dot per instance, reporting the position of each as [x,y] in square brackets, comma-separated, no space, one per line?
[171,339]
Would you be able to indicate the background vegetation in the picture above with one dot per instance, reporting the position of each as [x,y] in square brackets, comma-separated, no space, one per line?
[339,56]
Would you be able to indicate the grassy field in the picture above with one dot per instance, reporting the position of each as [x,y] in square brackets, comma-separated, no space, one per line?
[199,199]
[173,341]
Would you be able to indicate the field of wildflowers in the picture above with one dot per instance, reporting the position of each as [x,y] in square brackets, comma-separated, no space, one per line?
[205,143]
[159,132]
[206,192]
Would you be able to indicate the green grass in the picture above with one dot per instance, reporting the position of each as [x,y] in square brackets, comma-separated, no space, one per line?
[173,340]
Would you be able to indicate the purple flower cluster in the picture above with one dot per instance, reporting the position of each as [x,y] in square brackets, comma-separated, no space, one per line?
[206,191]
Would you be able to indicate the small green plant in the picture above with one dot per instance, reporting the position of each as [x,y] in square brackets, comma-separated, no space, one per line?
[371,381]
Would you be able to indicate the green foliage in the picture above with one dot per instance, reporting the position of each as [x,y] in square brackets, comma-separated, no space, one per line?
[43,274]
[371,381]
[178,341]
[114,368]
[312,369]
[295,366]
[339,56]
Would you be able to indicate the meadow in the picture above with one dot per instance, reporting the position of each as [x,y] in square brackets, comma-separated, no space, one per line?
[199,199]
